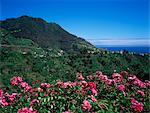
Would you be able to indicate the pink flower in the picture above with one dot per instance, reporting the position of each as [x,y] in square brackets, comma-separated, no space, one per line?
[94,92]
[137,106]
[121,87]
[93,99]
[45,94]
[45,85]
[134,80]
[15,80]
[108,82]
[74,83]
[3,102]
[104,77]
[19,79]
[116,75]
[131,78]
[12,96]
[23,110]
[8,99]
[23,84]
[33,101]
[92,85]
[79,76]
[26,110]
[138,83]
[42,85]
[66,112]
[147,83]
[27,89]
[140,92]
[86,105]
[84,83]
[142,85]
[1,93]
[67,84]
[59,83]
[98,73]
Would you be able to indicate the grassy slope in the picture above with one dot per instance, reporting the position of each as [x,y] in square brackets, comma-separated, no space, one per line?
[26,58]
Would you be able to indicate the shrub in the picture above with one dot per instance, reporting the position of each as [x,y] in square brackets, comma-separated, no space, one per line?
[95,93]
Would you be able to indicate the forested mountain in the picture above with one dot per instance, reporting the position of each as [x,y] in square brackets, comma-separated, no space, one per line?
[46,35]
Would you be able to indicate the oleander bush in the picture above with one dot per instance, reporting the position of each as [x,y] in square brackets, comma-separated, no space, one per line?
[97,93]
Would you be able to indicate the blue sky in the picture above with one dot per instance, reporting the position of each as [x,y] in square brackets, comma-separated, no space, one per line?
[104,22]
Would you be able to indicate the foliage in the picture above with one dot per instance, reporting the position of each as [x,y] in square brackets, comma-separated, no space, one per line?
[121,93]
[26,57]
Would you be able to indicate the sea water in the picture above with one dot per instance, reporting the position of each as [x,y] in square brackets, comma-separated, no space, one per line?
[136,49]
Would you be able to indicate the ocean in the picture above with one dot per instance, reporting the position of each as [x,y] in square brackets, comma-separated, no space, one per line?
[143,49]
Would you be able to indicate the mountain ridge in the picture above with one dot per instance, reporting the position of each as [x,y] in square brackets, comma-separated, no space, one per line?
[43,33]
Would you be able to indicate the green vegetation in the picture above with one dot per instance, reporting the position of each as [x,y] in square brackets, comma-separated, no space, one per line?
[35,49]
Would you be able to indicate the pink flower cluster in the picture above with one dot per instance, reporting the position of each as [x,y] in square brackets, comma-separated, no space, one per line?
[26,110]
[45,85]
[117,77]
[121,87]
[59,83]
[26,87]
[140,93]
[86,105]
[103,78]
[16,80]
[7,99]
[88,90]
[92,88]
[134,80]
[137,106]
[147,83]
[68,84]
[79,76]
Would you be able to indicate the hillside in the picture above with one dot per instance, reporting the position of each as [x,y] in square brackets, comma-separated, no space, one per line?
[37,50]
[46,35]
